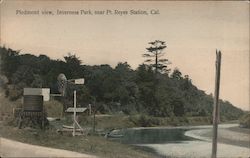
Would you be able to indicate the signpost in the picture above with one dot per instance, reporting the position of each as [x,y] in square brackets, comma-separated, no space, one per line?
[77,109]
[79,81]
[75,123]
[216,106]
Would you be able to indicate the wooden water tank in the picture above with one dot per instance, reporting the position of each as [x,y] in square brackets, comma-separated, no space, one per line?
[33,103]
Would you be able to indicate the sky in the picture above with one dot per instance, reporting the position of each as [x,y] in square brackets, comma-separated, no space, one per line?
[192,30]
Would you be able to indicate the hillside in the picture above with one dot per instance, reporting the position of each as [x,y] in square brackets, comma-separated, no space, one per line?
[112,90]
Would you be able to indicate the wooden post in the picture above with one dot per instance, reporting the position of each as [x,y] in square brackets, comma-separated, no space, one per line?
[94,108]
[74,121]
[90,109]
[94,123]
[43,118]
[216,106]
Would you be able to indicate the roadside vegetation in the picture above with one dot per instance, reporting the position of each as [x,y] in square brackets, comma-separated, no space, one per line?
[245,120]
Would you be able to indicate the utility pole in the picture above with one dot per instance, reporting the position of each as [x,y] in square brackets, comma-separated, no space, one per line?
[216,106]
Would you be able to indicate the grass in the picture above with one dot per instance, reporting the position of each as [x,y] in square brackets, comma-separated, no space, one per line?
[53,108]
[107,122]
[94,145]
[126,121]
[148,121]
[91,144]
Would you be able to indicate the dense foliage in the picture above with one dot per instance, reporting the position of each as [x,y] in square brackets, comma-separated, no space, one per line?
[119,89]
[245,120]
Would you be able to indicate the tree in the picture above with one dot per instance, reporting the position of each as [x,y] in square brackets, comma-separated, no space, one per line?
[178,107]
[155,54]
[159,65]
[126,90]
[145,83]
[72,66]
[100,82]
[176,74]
[9,61]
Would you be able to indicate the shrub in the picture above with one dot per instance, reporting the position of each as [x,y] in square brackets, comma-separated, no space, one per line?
[145,120]
[245,120]
[53,108]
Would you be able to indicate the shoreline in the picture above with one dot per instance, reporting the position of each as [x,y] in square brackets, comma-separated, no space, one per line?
[231,134]
[223,125]
[202,146]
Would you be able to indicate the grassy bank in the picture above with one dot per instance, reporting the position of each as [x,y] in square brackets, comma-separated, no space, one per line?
[148,121]
[94,145]
[108,122]
[91,144]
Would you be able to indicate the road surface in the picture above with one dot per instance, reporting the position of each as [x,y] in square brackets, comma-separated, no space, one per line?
[10,148]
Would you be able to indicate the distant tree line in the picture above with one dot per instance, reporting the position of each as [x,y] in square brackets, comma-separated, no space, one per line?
[150,89]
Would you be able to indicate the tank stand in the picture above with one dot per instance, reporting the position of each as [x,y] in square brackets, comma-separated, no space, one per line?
[33,117]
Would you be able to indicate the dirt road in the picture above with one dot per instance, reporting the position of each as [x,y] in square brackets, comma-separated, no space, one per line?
[10,148]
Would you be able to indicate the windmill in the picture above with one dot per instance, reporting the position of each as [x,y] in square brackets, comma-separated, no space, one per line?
[63,83]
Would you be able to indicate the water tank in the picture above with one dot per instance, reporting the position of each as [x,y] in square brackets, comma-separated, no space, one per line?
[33,103]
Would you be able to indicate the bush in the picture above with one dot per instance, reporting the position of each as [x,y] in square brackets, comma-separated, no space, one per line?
[145,121]
[245,120]
[174,121]
[53,108]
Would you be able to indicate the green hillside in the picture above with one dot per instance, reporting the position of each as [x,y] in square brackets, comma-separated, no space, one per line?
[115,90]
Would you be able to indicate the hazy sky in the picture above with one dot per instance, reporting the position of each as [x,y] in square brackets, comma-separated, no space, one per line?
[192,30]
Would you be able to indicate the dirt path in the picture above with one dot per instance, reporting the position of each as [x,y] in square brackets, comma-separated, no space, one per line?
[10,148]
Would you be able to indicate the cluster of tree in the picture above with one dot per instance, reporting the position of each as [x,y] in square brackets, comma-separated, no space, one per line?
[150,89]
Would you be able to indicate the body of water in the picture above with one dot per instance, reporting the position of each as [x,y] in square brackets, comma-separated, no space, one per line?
[185,141]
